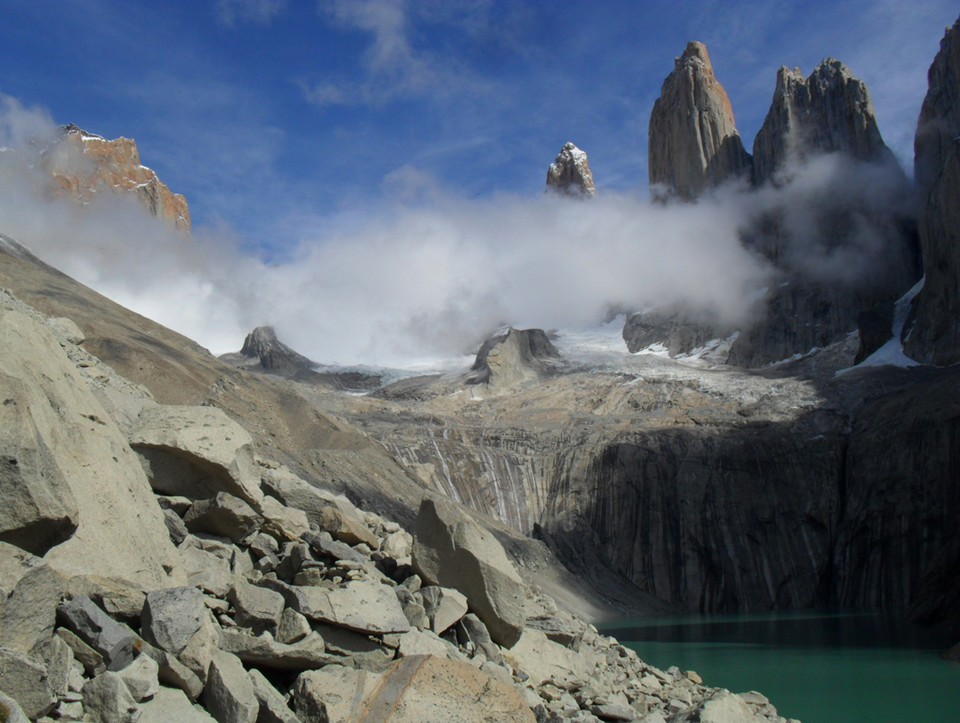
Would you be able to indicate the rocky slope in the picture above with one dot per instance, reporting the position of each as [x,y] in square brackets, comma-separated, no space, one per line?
[935,337]
[236,591]
[693,140]
[570,173]
[84,164]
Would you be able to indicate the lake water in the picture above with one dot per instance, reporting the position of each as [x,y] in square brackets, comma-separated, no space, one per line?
[818,666]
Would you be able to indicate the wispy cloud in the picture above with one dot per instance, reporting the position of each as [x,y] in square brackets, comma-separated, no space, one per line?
[233,12]
[393,64]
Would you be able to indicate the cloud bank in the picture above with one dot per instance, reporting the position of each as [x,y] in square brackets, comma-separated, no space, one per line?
[428,276]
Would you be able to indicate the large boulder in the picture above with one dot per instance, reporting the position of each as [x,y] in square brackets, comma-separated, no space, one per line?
[29,593]
[196,452]
[451,550]
[693,139]
[427,687]
[106,500]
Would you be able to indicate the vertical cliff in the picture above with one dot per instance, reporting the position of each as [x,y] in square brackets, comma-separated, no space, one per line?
[935,335]
[693,140]
[829,111]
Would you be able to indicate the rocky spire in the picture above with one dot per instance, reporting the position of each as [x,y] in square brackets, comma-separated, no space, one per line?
[829,111]
[83,164]
[935,336]
[570,173]
[693,139]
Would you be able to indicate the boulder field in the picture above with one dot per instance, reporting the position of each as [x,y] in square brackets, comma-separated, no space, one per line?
[153,567]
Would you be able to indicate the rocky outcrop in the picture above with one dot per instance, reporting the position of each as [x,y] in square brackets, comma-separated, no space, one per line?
[693,140]
[263,352]
[934,337]
[518,355]
[84,164]
[570,174]
[828,112]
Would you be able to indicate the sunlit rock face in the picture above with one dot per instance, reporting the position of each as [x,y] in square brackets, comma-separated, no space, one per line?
[827,112]
[935,336]
[84,164]
[570,173]
[694,143]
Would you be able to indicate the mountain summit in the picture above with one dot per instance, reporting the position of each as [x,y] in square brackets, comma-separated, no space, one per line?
[84,164]
[570,173]
[693,138]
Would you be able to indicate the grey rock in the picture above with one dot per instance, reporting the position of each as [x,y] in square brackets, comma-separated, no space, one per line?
[256,608]
[89,658]
[141,677]
[693,139]
[229,694]
[25,680]
[120,600]
[451,550]
[471,629]
[106,699]
[360,605]
[570,173]
[443,606]
[176,503]
[359,651]
[264,652]
[196,452]
[176,528]
[225,515]
[282,522]
[324,546]
[58,660]
[10,710]
[293,627]
[273,706]
[39,509]
[613,711]
[112,640]
[171,617]
[29,593]
[332,693]
[263,544]
[343,526]
[171,704]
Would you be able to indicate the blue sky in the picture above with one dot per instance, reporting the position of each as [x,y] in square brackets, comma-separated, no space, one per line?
[278,118]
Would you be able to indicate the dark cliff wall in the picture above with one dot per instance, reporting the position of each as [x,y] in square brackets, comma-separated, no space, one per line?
[827,509]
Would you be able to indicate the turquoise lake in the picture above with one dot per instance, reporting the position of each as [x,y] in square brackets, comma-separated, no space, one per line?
[818,666]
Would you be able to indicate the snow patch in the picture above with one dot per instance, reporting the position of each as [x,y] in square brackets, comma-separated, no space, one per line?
[891,353]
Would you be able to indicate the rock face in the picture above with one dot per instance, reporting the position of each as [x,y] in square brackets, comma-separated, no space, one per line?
[84,164]
[693,140]
[518,355]
[452,551]
[570,173]
[827,112]
[935,335]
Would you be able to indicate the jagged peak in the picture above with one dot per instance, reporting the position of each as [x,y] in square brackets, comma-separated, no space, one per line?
[570,173]
[695,52]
